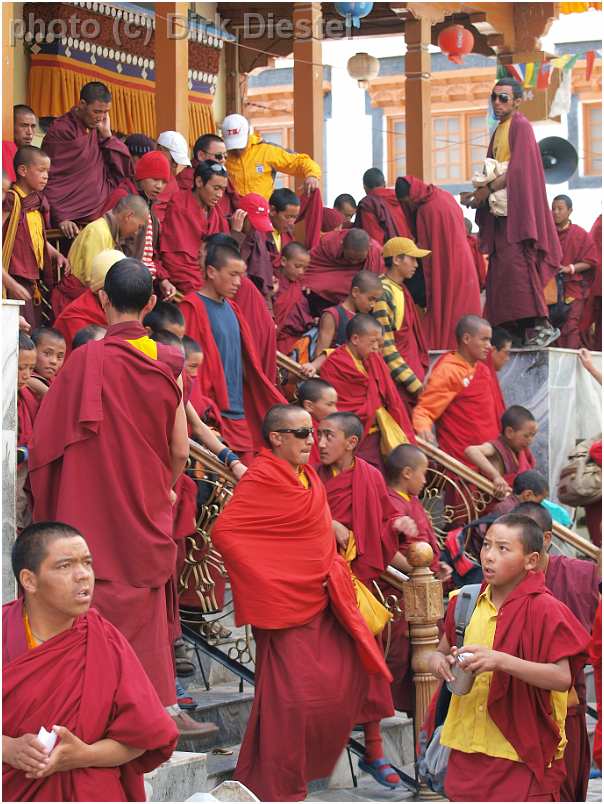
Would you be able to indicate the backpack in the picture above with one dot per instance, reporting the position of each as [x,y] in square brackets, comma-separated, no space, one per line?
[466,568]
[580,480]
[433,757]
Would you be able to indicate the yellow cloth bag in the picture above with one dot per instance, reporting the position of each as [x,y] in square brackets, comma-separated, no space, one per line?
[375,615]
[391,433]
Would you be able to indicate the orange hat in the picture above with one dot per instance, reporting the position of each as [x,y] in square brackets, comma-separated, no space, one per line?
[152,165]
[256,207]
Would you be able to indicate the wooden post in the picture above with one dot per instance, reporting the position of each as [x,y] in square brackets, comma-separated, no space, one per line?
[8,50]
[172,68]
[233,78]
[423,596]
[418,121]
[308,82]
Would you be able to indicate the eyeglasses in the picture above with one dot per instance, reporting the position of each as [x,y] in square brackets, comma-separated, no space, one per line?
[503,97]
[219,157]
[297,432]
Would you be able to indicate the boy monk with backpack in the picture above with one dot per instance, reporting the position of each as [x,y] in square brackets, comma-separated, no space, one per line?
[525,649]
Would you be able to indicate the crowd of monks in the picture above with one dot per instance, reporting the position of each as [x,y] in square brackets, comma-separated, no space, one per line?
[159,315]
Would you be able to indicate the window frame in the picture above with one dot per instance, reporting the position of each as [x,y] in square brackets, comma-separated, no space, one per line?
[587,139]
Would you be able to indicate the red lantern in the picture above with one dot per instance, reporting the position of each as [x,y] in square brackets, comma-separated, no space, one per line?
[456,41]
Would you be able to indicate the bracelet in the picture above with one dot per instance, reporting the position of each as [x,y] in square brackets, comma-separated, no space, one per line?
[227,456]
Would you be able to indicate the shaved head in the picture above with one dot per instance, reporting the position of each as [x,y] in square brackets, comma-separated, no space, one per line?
[469,325]
[348,423]
[401,457]
[356,240]
[278,417]
[366,281]
[133,203]
[362,324]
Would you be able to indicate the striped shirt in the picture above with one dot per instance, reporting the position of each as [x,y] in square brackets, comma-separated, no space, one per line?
[390,312]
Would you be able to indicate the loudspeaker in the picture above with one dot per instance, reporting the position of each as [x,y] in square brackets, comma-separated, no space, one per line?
[559,159]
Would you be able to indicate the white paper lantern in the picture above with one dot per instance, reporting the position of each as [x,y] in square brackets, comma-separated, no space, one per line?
[363,68]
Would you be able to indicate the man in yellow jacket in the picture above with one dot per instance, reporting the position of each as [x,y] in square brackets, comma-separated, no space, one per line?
[252,163]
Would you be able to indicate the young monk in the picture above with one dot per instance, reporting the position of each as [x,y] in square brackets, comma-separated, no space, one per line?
[405,472]
[337,258]
[319,398]
[88,161]
[365,290]
[364,386]
[501,341]
[257,246]
[458,397]
[528,486]
[508,731]
[87,309]
[167,316]
[380,213]
[205,407]
[290,306]
[27,409]
[192,216]
[213,319]
[132,400]
[313,648]
[88,686]
[503,459]
[579,260]
[93,332]
[405,350]
[365,533]
[50,356]
[576,583]
[27,257]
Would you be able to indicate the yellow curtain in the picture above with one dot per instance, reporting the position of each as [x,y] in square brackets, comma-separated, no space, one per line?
[577,8]
[54,88]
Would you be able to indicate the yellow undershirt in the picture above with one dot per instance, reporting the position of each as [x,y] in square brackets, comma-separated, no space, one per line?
[501,141]
[35,224]
[31,640]
[145,345]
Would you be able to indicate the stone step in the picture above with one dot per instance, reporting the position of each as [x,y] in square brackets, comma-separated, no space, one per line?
[225,707]
[183,774]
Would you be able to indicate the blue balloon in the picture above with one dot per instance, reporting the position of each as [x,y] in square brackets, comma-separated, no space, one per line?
[354,12]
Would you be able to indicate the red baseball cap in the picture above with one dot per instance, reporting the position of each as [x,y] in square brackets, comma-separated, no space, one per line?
[256,207]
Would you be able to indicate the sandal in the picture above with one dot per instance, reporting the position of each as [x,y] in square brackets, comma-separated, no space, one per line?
[380,769]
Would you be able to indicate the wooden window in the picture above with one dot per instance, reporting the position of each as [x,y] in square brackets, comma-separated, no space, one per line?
[396,148]
[459,146]
[592,139]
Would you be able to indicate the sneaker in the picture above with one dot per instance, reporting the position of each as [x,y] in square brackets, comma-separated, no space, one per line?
[541,337]
[183,699]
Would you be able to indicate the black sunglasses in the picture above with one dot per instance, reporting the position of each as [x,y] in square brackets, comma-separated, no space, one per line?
[218,169]
[297,432]
[503,96]
[218,157]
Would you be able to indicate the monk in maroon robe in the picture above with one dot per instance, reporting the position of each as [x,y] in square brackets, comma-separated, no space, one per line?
[359,504]
[291,308]
[523,249]
[117,406]
[337,258]
[87,160]
[82,312]
[480,260]
[313,649]
[575,583]
[380,213]
[71,671]
[438,225]
[192,216]
[579,260]
[24,130]
[591,321]
[364,386]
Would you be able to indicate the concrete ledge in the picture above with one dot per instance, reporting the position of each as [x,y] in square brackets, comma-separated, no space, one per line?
[175,780]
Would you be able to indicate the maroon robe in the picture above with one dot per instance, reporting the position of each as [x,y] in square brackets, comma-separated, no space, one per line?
[358,499]
[399,653]
[163,199]
[80,313]
[440,227]
[259,260]
[479,260]
[9,149]
[577,246]
[27,410]
[292,313]
[89,680]
[513,463]
[410,340]
[531,623]
[69,289]
[341,316]
[381,215]
[591,320]
[523,248]
[253,306]
[113,408]
[576,584]
[186,224]
[500,406]
[23,265]
[83,169]
[329,276]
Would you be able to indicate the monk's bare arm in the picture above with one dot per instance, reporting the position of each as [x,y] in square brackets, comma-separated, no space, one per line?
[440,661]
[179,442]
[544,675]
[484,457]
[499,183]
[110,754]
[208,438]
[327,332]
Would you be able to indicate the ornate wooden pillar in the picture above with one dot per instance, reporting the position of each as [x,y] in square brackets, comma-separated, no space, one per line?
[418,120]
[172,68]
[7,71]
[308,82]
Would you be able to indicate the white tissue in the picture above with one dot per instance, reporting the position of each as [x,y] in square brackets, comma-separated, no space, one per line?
[47,738]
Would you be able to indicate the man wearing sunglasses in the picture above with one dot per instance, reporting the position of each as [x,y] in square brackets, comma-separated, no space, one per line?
[523,247]
[209,147]
[313,649]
